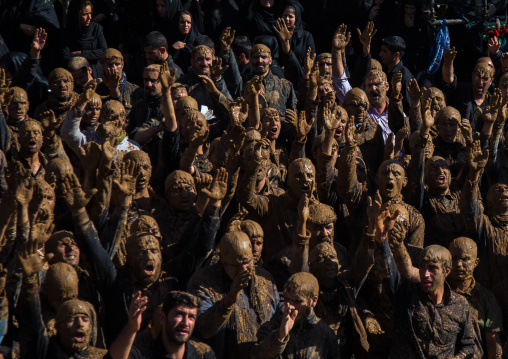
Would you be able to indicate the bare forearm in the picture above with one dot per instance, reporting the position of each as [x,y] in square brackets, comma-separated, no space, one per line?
[146,134]
[168,111]
[122,345]
[404,264]
[493,344]
[447,73]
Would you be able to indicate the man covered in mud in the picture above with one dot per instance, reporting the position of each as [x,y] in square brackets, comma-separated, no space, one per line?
[277,214]
[296,332]
[390,181]
[30,145]
[17,107]
[236,298]
[431,319]
[486,313]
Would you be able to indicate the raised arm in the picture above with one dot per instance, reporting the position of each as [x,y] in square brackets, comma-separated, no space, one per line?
[300,260]
[447,69]
[340,40]
[415,114]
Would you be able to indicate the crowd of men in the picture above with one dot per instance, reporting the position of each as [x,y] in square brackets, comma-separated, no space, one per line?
[260,198]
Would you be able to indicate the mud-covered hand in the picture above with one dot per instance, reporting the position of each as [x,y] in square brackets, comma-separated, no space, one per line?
[341,38]
[20,182]
[209,85]
[167,78]
[88,92]
[4,88]
[350,137]
[218,188]
[397,85]
[284,34]
[330,120]
[477,158]
[125,178]
[226,39]
[112,78]
[72,193]
[217,70]
[288,320]
[372,326]
[49,121]
[399,141]
[41,225]
[308,62]
[385,222]
[494,45]
[109,152]
[397,234]
[466,130]
[449,56]
[491,110]
[366,36]
[90,155]
[303,127]
[374,203]
[31,262]
[415,94]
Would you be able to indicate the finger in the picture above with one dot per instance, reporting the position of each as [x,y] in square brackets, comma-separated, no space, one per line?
[359,32]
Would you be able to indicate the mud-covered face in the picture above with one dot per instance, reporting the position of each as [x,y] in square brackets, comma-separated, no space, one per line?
[261,62]
[342,124]
[438,176]
[271,124]
[437,98]
[181,196]
[67,251]
[390,179]
[357,107]
[320,232]
[30,138]
[179,324]
[257,248]
[301,179]
[432,276]
[323,90]
[325,266]
[464,261]
[448,129]
[144,259]
[376,89]
[113,64]
[194,123]
[201,62]
[498,198]
[304,306]
[75,332]
[325,67]
[92,113]
[481,82]
[152,84]
[144,168]
[61,87]
[18,106]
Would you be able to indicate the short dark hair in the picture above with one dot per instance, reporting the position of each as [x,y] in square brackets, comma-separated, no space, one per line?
[241,45]
[204,40]
[155,39]
[176,297]
[395,44]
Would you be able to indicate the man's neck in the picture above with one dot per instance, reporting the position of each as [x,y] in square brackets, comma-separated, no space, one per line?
[242,64]
[175,350]
[438,192]
[142,194]
[164,57]
[391,66]
[380,107]
[272,145]
[461,285]
[437,295]
[34,162]
[479,98]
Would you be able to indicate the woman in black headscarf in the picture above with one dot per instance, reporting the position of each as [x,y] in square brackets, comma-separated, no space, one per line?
[166,17]
[261,17]
[82,37]
[219,14]
[184,42]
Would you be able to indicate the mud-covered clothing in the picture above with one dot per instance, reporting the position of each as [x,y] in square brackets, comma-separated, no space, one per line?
[354,194]
[34,340]
[129,93]
[425,329]
[454,153]
[497,167]
[491,235]
[443,222]
[486,314]
[460,96]
[193,350]
[279,94]
[59,107]
[231,332]
[117,288]
[220,121]
[311,339]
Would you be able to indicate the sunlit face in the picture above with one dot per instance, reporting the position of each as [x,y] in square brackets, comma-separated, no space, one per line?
[178,93]
[325,67]
[390,180]
[234,268]
[301,180]
[289,17]
[376,89]
[161,8]
[498,196]
[184,24]
[432,276]
[85,15]
[67,251]
[260,64]
[113,64]
[257,248]
[201,62]
[30,138]
[144,260]
[438,176]
[61,87]
[18,107]
[271,125]
[480,83]
[178,324]
[323,90]
[91,116]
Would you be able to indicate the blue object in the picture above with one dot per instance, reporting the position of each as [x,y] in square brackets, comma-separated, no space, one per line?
[440,45]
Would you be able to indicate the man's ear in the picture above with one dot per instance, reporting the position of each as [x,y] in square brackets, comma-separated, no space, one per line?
[242,57]
[90,71]
[447,271]
[270,60]
[313,302]
[163,50]
[397,54]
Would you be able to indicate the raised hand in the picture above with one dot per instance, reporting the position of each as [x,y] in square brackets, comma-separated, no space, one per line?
[236,220]
[350,133]
[42,225]
[373,205]
[494,45]
[109,151]
[330,120]
[21,182]
[90,156]
[449,55]
[236,134]
[256,152]
[125,178]
[112,78]
[466,130]
[31,262]
[367,35]
[385,222]
[308,62]
[39,40]
[372,326]
[49,121]
[88,91]
[415,94]
[226,39]
[303,127]
[399,141]
[256,85]
[288,320]
[284,34]
[136,308]
[198,138]
[4,87]
[167,78]
[217,190]
[477,158]
[428,119]
[303,215]
[72,193]
[209,85]
[341,38]
[397,85]
[397,235]
[203,180]
[491,110]
[216,70]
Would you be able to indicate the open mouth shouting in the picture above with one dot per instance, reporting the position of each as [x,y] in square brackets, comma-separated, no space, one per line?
[149,269]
